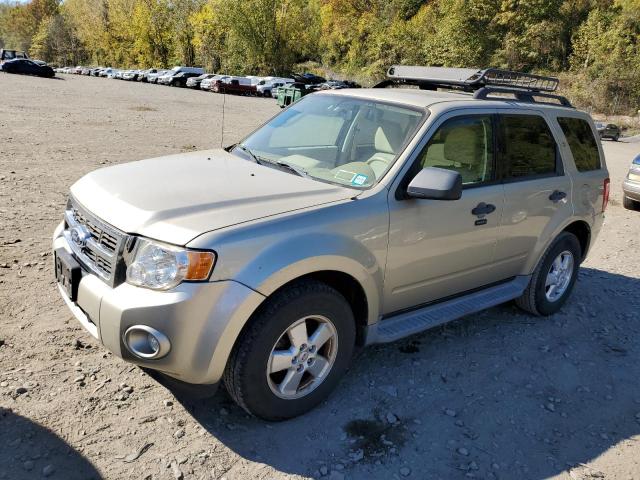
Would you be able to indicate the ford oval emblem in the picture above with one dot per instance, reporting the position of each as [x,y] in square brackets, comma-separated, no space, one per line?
[79,235]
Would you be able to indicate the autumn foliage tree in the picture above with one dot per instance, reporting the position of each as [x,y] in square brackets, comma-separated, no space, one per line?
[594,44]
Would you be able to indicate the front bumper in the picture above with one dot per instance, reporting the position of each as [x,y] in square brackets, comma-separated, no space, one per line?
[201,320]
[631,190]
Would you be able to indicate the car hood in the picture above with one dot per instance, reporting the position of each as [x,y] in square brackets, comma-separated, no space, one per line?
[176,198]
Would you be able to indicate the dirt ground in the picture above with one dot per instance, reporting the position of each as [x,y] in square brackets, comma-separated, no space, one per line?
[499,395]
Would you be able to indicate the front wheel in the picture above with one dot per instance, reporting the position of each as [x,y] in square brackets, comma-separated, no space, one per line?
[293,353]
[554,277]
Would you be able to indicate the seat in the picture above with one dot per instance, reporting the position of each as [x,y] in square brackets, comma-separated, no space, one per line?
[461,151]
[388,140]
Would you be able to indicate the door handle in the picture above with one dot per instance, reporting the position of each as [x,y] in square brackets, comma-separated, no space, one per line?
[557,195]
[483,209]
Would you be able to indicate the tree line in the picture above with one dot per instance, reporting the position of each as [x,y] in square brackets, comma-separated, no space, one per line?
[593,44]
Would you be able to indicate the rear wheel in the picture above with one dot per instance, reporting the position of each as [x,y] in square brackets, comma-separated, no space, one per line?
[554,277]
[293,353]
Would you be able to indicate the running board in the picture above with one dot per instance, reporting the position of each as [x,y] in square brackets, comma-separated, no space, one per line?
[415,321]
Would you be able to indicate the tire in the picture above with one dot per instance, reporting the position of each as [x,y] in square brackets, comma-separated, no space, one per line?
[246,376]
[616,137]
[535,299]
[630,204]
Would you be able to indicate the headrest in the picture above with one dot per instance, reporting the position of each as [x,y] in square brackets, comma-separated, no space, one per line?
[389,138]
[461,145]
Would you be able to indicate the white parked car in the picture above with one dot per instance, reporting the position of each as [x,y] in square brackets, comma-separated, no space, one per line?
[154,76]
[266,86]
[208,82]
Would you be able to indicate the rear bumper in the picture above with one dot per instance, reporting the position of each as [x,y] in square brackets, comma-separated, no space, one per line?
[201,320]
[631,190]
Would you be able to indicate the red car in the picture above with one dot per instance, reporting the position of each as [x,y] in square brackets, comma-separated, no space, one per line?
[236,86]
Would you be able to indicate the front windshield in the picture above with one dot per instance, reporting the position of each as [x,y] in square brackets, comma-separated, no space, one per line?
[338,139]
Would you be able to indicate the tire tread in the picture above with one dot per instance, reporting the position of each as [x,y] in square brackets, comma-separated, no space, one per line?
[232,376]
[527,301]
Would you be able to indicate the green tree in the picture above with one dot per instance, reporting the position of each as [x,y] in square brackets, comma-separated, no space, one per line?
[607,58]
[273,34]
[55,42]
[153,32]
[183,12]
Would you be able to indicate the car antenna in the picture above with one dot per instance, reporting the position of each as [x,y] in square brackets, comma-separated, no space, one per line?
[224,99]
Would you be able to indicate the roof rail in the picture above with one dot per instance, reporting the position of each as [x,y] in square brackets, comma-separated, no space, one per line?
[524,86]
[521,95]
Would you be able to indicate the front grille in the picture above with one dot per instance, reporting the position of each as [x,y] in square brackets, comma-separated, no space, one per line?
[99,234]
[96,245]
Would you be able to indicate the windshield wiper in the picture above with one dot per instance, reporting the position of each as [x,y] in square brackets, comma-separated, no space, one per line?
[262,161]
[292,168]
[250,153]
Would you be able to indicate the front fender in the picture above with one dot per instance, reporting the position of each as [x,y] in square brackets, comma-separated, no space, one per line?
[305,254]
[350,237]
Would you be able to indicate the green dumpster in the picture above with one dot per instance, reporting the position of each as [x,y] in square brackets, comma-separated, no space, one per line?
[288,95]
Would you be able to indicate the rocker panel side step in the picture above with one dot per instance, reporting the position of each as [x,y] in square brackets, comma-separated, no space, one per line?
[415,321]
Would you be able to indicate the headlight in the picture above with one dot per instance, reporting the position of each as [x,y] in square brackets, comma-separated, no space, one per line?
[161,267]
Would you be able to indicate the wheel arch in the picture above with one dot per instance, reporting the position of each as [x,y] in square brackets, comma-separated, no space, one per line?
[582,231]
[576,226]
[345,284]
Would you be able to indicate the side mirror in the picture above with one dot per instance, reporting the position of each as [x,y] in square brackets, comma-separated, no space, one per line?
[436,184]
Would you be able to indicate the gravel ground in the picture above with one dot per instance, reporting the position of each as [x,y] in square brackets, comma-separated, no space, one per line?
[496,395]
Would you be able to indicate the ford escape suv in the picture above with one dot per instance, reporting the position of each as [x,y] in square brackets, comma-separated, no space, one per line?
[353,217]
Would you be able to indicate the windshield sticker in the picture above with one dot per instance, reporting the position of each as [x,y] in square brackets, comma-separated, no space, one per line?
[345,175]
[359,180]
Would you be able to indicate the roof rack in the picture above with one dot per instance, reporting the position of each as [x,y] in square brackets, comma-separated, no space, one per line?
[523,86]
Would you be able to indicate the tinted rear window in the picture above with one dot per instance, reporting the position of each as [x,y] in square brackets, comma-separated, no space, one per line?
[529,147]
[582,143]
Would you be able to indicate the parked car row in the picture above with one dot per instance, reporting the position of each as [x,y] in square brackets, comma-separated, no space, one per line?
[197,78]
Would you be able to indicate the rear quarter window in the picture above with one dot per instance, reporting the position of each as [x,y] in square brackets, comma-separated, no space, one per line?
[582,143]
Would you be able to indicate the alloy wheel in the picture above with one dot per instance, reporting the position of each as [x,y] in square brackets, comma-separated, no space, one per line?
[559,276]
[302,357]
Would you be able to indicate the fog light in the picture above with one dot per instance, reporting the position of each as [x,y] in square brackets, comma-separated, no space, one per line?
[146,342]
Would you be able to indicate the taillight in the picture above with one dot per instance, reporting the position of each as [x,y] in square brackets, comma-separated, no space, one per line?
[605,194]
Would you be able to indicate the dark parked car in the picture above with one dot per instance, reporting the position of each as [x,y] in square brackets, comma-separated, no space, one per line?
[180,79]
[608,130]
[308,78]
[338,85]
[27,67]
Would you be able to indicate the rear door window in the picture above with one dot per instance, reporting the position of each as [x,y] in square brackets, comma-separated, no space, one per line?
[582,143]
[528,148]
